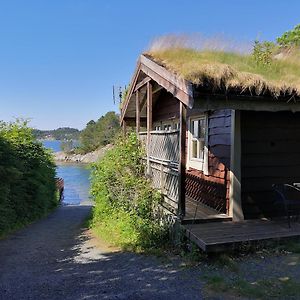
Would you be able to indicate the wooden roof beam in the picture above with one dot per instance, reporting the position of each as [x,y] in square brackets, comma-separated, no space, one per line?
[178,87]
[130,92]
[142,83]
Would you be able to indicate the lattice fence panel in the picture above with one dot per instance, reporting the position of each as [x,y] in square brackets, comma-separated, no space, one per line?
[165,179]
[164,160]
[209,193]
[165,146]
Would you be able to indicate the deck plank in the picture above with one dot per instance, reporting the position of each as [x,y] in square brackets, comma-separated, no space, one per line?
[196,211]
[227,233]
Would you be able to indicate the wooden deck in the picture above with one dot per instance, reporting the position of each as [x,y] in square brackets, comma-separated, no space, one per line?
[218,236]
[200,213]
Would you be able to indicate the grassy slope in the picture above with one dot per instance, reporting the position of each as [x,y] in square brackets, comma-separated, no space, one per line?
[232,69]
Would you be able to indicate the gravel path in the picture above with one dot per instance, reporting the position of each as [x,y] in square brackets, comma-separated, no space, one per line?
[56,258]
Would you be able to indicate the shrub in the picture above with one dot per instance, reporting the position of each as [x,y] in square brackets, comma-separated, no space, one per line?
[263,52]
[27,175]
[290,38]
[125,203]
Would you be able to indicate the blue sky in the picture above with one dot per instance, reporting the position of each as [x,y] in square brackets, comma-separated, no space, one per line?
[60,58]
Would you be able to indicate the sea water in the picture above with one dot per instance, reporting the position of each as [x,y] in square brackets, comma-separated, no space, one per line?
[75,175]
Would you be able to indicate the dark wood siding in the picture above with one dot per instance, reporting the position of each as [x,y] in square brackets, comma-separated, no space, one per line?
[166,107]
[219,140]
[270,154]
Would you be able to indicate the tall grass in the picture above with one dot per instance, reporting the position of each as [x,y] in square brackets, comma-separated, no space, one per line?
[228,68]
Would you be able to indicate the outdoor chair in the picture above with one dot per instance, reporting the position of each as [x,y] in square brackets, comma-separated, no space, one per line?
[288,197]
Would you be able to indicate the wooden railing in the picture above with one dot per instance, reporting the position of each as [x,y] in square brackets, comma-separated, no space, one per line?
[163,160]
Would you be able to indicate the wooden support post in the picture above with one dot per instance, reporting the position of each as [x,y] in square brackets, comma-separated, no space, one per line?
[149,122]
[182,161]
[124,127]
[235,201]
[138,112]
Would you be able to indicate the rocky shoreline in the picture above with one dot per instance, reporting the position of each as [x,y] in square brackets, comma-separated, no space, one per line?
[87,158]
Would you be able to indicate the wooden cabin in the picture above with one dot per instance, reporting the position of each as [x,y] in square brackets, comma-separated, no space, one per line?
[214,152]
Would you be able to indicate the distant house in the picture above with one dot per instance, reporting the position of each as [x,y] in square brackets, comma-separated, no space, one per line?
[217,136]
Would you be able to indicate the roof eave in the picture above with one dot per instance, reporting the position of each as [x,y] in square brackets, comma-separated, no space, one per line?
[178,87]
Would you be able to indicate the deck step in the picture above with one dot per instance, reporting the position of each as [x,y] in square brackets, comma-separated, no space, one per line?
[219,236]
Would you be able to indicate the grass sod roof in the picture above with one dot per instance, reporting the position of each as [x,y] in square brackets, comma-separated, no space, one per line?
[233,71]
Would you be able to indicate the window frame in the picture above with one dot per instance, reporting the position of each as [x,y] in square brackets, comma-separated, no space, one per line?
[169,124]
[200,164]
[172,124]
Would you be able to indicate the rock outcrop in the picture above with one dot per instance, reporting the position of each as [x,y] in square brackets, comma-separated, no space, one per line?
[81,158]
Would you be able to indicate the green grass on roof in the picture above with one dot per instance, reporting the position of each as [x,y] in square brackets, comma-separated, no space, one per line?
[233,70]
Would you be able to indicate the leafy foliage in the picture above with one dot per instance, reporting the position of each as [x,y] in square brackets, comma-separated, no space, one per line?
[290,38]
[64,133]
[27,176]
[125,204]
[67,146]
[263,52]
[100,133]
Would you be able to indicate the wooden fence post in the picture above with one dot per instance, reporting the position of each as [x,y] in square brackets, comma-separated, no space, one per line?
[138,112]
[149,122]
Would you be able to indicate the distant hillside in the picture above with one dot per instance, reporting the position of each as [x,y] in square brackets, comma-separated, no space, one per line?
[99,133]
[64,133]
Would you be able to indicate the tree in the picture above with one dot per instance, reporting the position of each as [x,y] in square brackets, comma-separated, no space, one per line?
[27,176]
[100,133]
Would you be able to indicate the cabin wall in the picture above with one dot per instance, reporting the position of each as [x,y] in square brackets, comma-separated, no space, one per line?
[166,107]
[270,154]
[213,187]
[219,141]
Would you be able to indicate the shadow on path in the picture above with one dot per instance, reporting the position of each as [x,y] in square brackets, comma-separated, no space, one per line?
[56,259]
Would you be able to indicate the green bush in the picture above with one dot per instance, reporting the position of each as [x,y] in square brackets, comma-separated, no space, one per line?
[263,52]
[27,175]
[290,38]
[125,204]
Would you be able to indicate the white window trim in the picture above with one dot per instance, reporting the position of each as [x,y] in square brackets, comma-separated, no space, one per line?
[166,124]
[170,123]
[198,164]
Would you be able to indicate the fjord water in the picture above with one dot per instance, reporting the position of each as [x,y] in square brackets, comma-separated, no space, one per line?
[76,177]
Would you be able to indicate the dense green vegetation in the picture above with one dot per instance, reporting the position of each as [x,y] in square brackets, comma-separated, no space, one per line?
[263,52]
[27,176]
[290,38]
[124,201]
[99,133]
[64,133]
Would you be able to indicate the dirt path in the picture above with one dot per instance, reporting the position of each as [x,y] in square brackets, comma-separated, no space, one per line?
[56,259]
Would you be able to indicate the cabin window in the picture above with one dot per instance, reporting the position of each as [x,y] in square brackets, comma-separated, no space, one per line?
[197,142]
[168,126]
